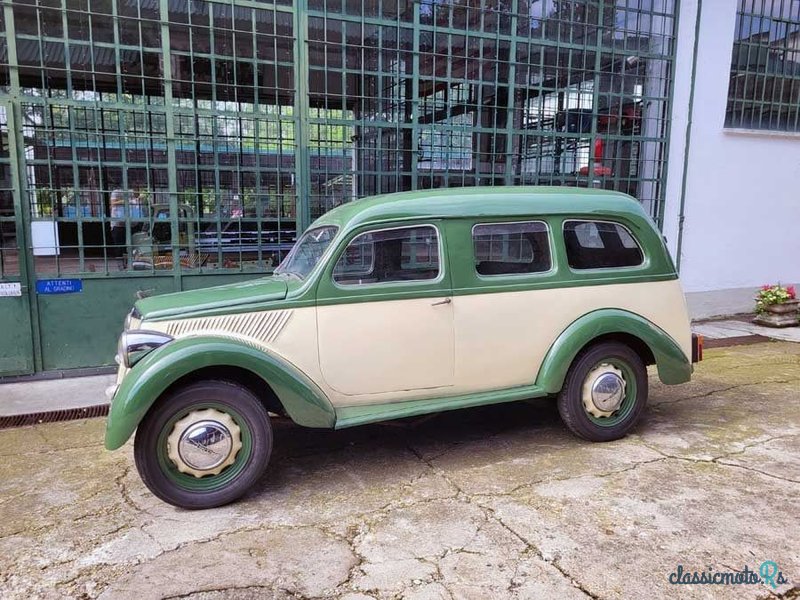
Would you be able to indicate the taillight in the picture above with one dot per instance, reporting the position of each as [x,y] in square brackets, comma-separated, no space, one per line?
[697,347]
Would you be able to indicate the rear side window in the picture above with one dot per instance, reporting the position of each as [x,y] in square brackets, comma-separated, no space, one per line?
[600,245]
[511,248]
[390,255]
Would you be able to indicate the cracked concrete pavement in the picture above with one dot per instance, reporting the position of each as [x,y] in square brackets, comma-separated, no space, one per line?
[494,502]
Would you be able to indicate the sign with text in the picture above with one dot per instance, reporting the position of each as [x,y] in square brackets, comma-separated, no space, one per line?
[59,286]
[10,289]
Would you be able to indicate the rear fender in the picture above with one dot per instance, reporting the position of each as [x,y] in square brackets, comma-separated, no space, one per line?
[673,366]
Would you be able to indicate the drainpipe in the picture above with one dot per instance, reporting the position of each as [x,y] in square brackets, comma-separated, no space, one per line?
[682,211]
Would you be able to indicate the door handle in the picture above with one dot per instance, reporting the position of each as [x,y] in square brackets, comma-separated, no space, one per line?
[445,301]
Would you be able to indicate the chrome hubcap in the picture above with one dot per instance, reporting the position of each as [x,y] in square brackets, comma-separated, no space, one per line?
[603,390]
[205,445]
[204,442]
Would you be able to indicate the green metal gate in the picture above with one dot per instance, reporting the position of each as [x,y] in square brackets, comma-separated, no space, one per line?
[159,145]
[16,347]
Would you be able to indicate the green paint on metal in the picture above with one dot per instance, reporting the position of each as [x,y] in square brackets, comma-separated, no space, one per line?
[517,201]
[657,265]
[673,366]
[241,296]
[351,416]
[300,397]
[82,329]
[688,141]
[329,293]
[17,340]
[456,211]
[301,75]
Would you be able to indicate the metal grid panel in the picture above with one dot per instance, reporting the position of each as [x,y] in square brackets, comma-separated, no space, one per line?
[9,250]
[414,95]
[137,164]
[199,136]
[235,131]
[764,90]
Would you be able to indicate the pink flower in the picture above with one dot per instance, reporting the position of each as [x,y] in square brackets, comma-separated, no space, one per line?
[791,291]
[765,287]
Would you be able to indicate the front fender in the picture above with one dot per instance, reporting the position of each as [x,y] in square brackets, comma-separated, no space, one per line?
[673,366]
[303,401]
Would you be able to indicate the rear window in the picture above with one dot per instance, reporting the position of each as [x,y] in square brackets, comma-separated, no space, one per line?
[600,245]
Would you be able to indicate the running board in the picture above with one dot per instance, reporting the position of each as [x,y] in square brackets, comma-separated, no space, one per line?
[350,416]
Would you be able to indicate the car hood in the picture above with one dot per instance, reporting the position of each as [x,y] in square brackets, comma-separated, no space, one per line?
[195,303]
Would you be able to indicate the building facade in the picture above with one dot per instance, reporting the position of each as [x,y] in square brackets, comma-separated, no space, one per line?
[733,206]
[151,146]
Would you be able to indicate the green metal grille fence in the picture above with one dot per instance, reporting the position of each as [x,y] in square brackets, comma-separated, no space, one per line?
[201,136]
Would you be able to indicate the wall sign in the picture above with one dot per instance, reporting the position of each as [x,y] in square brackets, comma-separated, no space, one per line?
[59,286]
[10,289]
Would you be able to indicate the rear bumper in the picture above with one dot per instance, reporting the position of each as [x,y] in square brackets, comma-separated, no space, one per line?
[697,348]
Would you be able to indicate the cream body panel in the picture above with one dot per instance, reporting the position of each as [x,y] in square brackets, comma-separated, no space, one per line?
[288,333]
[502,338]
[379,351]
[478,342]
[298,345]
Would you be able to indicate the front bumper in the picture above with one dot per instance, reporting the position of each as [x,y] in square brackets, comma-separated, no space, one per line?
[121,373]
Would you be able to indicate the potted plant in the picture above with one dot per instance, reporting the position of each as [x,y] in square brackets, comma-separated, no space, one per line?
[776,306]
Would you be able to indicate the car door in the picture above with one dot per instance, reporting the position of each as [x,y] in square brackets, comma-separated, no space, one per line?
[507,307]
[385,316]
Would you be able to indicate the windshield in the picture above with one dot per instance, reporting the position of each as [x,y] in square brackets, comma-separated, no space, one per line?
[307,251]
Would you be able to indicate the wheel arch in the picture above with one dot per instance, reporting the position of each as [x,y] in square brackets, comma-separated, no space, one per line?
[649,341]
[187,359]
[634,343]
[234,374]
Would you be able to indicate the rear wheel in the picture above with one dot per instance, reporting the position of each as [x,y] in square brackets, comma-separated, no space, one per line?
[604,393]
[203,445]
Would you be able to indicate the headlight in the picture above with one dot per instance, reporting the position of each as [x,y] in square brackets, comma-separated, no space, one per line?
[133,345]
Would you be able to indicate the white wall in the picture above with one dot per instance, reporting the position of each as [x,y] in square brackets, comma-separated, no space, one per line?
[742,201]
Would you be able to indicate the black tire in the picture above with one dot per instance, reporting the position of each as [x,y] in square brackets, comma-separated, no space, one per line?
[162,477]
[570,399]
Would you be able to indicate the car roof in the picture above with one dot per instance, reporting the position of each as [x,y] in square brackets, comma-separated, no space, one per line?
[484,202]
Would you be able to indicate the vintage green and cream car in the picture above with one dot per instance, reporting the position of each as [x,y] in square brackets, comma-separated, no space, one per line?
[401,305]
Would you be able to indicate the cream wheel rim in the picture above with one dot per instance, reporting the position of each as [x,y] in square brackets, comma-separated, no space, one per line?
[204,442]
[603,390]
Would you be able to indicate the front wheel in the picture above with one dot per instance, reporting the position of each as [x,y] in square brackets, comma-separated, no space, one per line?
[203,445]
[604,393]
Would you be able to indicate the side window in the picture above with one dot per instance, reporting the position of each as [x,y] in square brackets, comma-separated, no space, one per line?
[511,248]
[404,254]
[600,245]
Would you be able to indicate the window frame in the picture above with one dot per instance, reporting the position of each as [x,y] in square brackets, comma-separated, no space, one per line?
[550,245]
[323,259]
[737,105]
[645,256]
[389,284]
